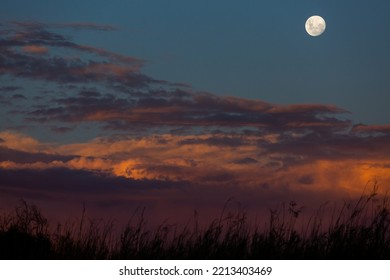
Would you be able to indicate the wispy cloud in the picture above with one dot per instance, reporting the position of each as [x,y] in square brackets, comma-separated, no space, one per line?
[184,108]
[371,129]
[35,49]
[76,25]
[19,41]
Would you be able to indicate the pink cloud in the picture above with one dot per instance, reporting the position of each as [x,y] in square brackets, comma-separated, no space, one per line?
[35,49]
[360,128]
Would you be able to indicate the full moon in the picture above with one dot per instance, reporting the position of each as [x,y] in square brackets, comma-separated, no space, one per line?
[315,25]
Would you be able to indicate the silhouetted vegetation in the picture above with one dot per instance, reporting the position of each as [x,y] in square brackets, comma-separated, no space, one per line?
[356,230]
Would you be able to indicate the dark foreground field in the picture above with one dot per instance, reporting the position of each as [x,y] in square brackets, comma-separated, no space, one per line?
[356,230]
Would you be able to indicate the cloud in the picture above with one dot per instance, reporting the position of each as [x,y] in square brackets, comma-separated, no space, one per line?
[336,146]
[61,129]
[18,97]
[14,157]
[75,25]
[86,25]
[304,108]
[70,70]
[21,142]
[9,89]
[20,41]
[35,49]
[245,161]
[63,180]
[371,129]
[251,161]
[191,109]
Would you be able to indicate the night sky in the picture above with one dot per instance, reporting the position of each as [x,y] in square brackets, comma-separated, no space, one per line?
[181,105]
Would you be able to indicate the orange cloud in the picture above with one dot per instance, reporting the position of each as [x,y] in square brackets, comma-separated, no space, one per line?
[21,142]
[35,49]
[89,164]
[204,160]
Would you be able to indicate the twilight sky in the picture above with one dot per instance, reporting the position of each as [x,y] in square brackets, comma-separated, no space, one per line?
[183,104]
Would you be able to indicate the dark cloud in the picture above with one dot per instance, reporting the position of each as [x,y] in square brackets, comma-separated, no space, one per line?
[314,146]
[215,141]
[377,165]
[9,89]
[86,107]
[86,25]
[76,25]
[21,41]
[18,97]
[17,156]
[185,108]
[61,129]
[306,180]
[69,70]
[371,129]
[245,161]
[62,180]
[89,93]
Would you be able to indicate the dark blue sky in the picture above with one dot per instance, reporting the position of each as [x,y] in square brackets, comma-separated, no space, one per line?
[252,49]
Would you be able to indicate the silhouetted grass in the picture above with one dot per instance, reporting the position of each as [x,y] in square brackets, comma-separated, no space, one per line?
[358,230]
